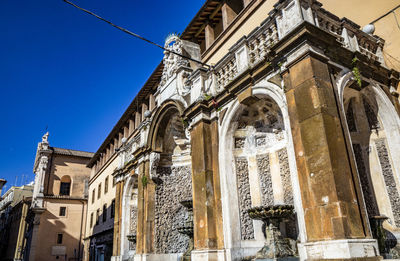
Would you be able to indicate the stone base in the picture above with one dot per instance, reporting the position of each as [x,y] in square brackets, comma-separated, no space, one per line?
[279,259]
[116,258]
[340,249]
[207,255]
[158,257]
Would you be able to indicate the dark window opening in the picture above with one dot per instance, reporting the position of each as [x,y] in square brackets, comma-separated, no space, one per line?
[97,216]
[104,213]
[113,208]
[93,195]
[59,239]
[63,211]
[64,188]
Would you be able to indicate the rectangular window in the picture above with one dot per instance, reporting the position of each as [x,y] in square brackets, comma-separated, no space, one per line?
[113,208]
[93,195]
[104,213]
[59,239]
[99,191]
[97,216]
[63,211]
[64,188]
[106,186]
[91,220]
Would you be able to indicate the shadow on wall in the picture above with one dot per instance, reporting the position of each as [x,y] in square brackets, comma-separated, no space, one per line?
[370,140]
[102,230]
[54,243]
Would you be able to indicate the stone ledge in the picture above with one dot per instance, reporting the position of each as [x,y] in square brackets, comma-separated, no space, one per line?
[340,249]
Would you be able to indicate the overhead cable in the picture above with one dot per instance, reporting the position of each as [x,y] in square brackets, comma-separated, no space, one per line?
[136,35]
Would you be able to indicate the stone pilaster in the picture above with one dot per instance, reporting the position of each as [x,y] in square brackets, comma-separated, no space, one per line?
[117,218]
[208,234]
[327,181]
[146,203]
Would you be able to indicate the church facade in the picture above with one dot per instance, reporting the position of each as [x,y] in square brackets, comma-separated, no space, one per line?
[258,106]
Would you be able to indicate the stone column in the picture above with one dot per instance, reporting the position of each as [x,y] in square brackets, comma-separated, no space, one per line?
[35,240]
[146,205]
[117,219]
[333,212]
[208,230]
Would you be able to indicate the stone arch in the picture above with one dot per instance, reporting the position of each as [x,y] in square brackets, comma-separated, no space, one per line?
[280,150]
[373,129]
[129,217]
[168,107]
[170,169]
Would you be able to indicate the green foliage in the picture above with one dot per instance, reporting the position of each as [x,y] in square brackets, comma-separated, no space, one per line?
[207,96]
[356,71]
[144,181]
[185,123]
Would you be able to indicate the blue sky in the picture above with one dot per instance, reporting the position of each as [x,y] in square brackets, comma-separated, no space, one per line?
[64,69]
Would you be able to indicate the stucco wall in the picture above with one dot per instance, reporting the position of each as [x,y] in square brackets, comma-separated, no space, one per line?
[364,12]
[105,198]
[51,224]
[71,166]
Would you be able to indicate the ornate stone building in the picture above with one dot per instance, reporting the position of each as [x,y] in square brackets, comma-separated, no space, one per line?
[298,108]
[56,220]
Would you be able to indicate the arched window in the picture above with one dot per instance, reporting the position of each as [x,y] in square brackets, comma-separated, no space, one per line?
[65,186]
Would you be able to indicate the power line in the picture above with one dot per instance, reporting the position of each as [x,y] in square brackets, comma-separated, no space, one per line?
[136,35]
[379,18]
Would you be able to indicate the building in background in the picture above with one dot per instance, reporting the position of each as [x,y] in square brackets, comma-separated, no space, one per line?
[99,233]
[14,208]
[300,107]
[59,204]
[2,183]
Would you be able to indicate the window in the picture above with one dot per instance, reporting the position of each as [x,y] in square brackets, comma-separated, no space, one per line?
[91,220]
[65,186]
[97,216]
[113,208]
[59,239]
[104,213]
[99,191]
[63,211]
[93,195]
[106,186]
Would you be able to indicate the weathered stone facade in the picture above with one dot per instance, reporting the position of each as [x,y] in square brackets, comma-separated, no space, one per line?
[289,113]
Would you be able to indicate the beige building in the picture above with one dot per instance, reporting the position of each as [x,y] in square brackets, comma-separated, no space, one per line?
[101,208]
[260,107]
[59,203]
[14,208]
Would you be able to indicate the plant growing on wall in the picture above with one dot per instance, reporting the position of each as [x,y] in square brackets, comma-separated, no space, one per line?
[144,181]
[356,71]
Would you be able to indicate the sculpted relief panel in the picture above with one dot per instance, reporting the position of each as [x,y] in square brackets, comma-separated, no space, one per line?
[265,177]
[261,157]
[389,179]
[242,175]
[174,186]
[285,176]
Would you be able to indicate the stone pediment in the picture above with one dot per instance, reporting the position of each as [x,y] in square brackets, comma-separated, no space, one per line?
[177,68]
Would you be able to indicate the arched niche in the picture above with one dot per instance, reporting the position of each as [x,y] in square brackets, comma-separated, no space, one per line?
[373,128]
[170,168]
[129,217]
[257,167]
